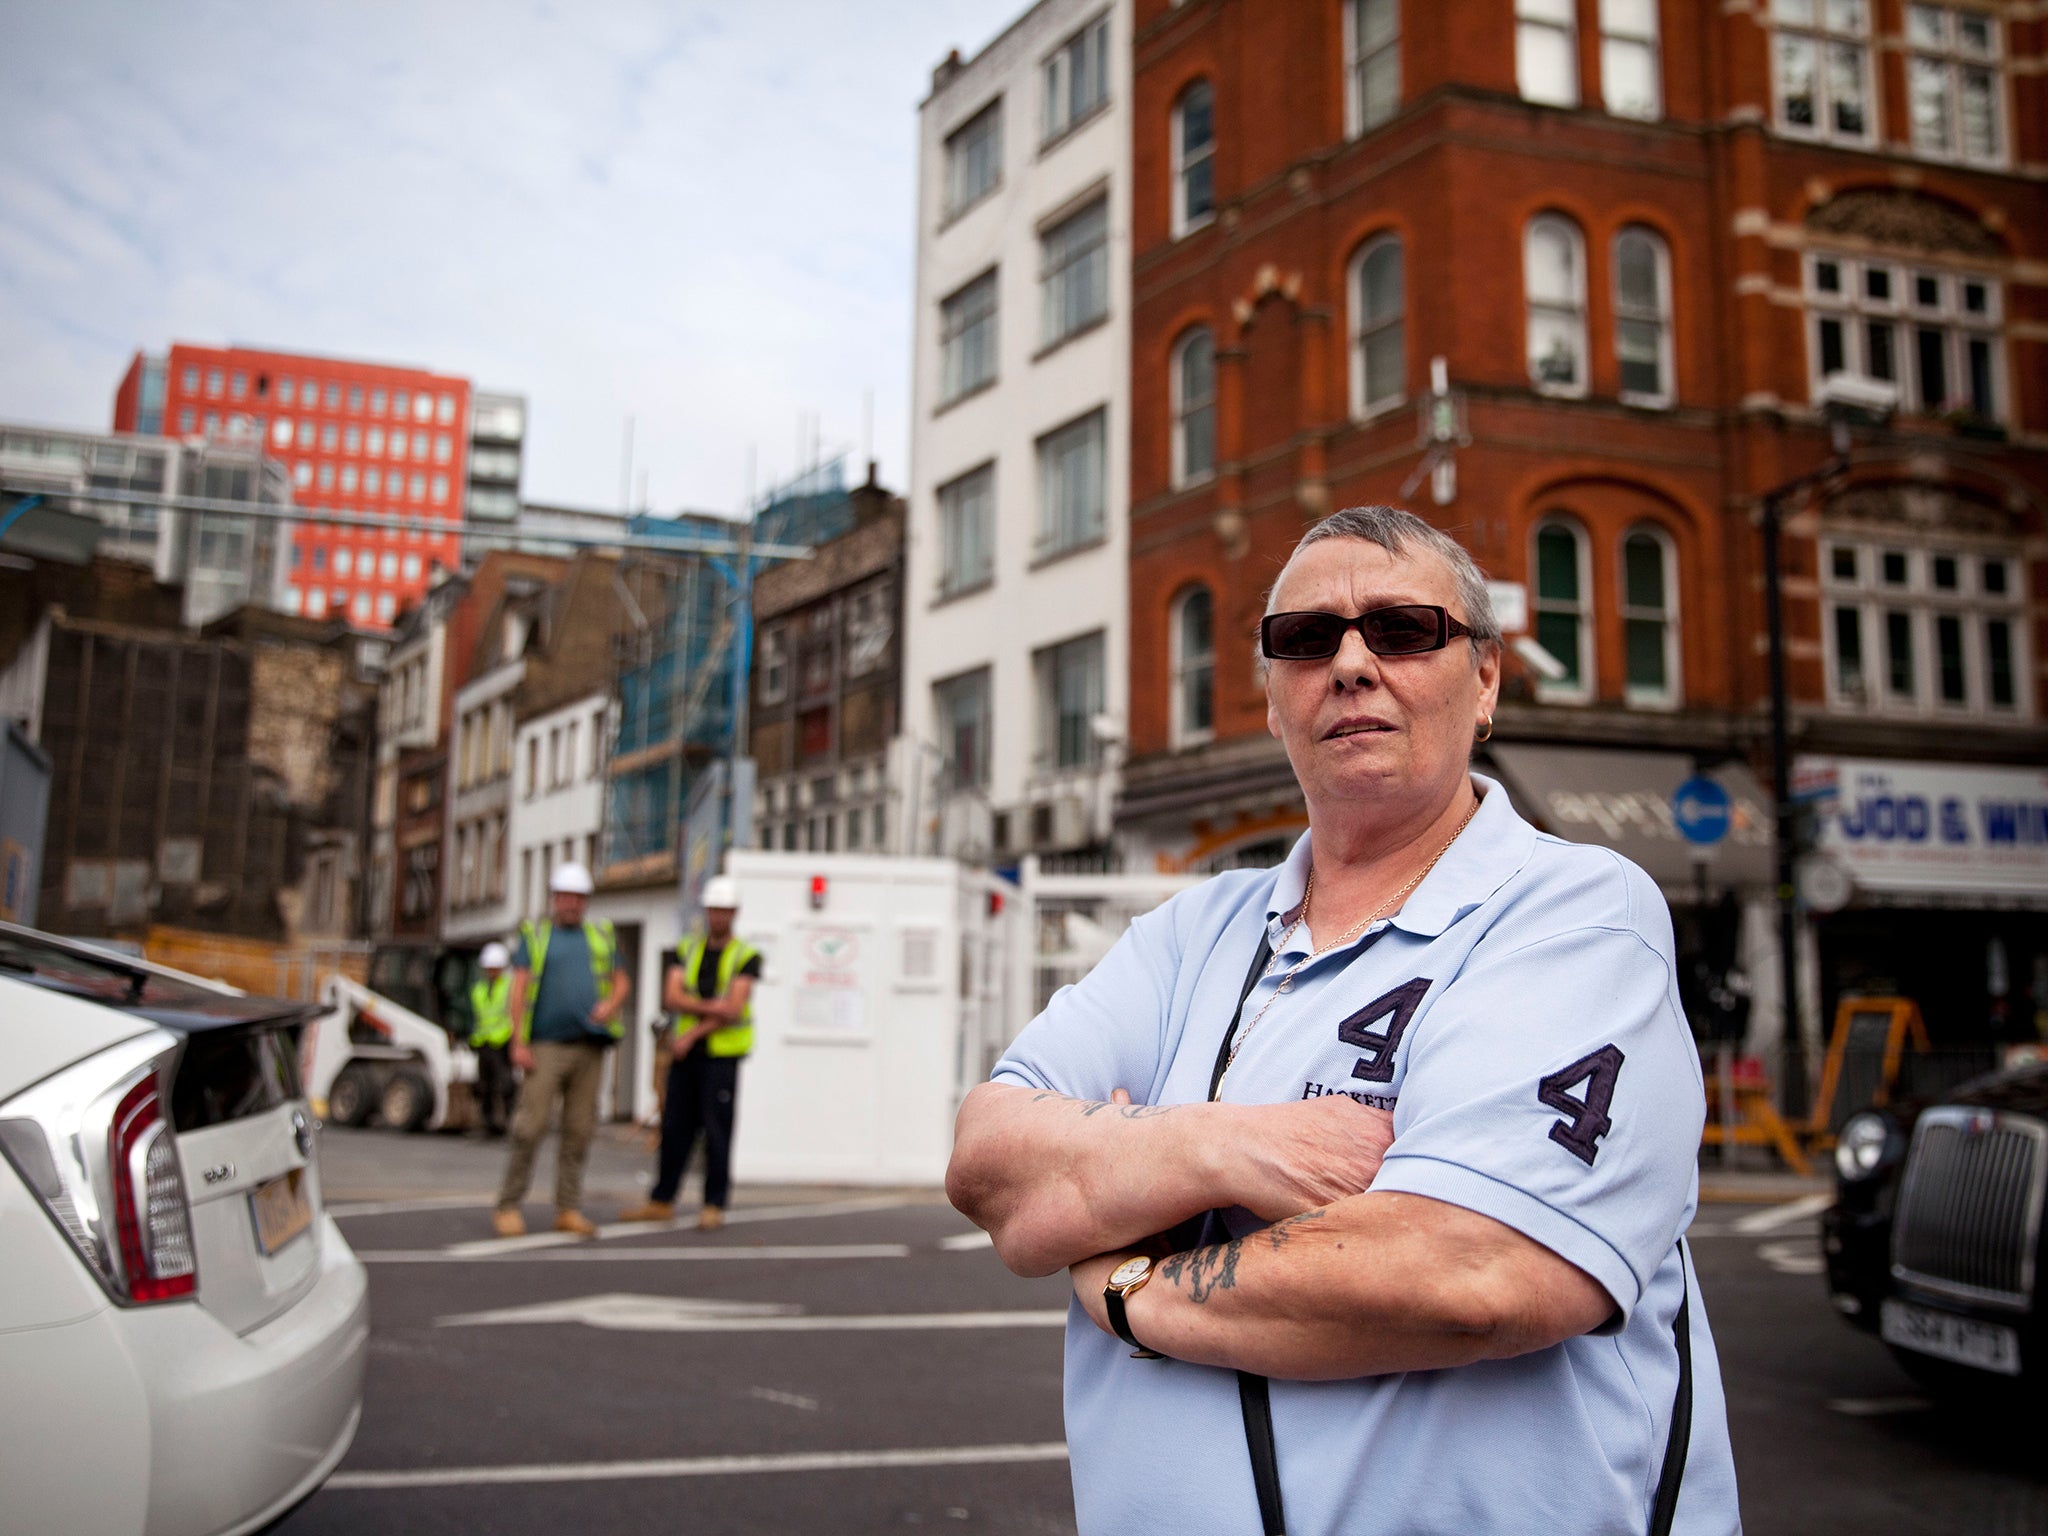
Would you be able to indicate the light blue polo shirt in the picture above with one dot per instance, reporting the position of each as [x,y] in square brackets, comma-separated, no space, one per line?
[1520,1018]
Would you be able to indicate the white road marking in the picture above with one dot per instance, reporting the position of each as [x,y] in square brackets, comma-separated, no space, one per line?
[1782,1215]
[787,1399]
[624,1312]
[1878,1407]
[700,1466]
[1798,1256]
[966,1242]
[584,1253]
[483,1247]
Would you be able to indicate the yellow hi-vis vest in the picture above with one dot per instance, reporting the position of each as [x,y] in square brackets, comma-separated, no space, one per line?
[490,1009]
[604,949]
[735,1039]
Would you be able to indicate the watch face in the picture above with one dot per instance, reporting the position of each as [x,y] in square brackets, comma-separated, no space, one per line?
[1129,1270]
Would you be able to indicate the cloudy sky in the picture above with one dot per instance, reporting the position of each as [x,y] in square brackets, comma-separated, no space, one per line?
[696,214]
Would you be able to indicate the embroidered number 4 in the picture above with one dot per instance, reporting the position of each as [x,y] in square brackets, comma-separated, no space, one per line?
[1586,1118]
[1392,1012]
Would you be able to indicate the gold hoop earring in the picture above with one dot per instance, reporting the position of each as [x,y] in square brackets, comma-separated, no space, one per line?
[1487,735]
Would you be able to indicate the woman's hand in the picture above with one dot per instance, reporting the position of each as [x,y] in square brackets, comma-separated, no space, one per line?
[1297,1157]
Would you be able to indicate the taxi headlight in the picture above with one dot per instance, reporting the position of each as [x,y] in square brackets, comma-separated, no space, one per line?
[1860,1149]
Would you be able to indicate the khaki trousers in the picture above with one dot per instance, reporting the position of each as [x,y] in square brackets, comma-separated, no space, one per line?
[570,1072]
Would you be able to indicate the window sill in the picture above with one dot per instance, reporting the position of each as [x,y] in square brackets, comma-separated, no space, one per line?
[957,594]
[1193,482]
[1193,226]
[1646,402]
[1372,415]
[1074,335]
[1066,552]
[1559,391]
[965,395]
[955,215]
[1048,145]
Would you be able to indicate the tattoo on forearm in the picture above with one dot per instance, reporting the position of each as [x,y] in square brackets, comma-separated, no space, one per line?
[1097,1106]
[1212,1269]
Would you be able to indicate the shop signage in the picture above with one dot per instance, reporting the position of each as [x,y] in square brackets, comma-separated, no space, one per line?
[1936,828]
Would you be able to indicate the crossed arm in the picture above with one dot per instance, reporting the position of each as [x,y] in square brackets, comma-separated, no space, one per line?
[1345,1283]
[710,1012]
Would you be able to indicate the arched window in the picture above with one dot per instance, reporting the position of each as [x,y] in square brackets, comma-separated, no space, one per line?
[1554,281]
[1193,648]
[1193,388]
[1194,157]
[1563,593]
[1642,316]
[1379,351]
[1649,616]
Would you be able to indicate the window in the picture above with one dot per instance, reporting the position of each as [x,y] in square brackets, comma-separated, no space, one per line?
[1074,268]
[1554,278]
[376,442]
[401,402]
[387,605]
[397,445]
[188,419]
[333,396]
[417,488]
[961,705]
[1629,70]
[412,567]
[1917,630]
[348,477]
[1642,317]
[1193,648]
[319,558]
[238,384]
[1372,63]
[967,531]
[215,379]
[1070,696]
[419,442]
[376,402]
[189,381]
[597,741]
[302,474]
[967,338]
[1071,484]
[307,431]
[1077,78]
[361,608]
[1953,88]
[774,666]
[352,440]
[372,481]
[974,159]
[1379,347]
[1193,387]
[387,567]
[440,487]
[1649,617]
[355,397]
[1547,52]
[1562,610]
[326,477]
[1820,68]
[344,562]
[444,448]
[444,410]
[1194,158]
[1933,335]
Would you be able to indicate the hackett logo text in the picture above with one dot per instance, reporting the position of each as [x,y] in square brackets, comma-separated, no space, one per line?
[1315,1090]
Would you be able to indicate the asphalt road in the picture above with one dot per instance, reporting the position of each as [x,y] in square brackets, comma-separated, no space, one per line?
[849,1361]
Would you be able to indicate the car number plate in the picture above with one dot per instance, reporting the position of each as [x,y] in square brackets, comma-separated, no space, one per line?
[1987,1346]
[281,1210]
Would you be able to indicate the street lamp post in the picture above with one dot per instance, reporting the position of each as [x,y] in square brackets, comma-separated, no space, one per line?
[1792,1091]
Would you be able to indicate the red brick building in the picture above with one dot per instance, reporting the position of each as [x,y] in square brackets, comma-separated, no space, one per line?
[1640,234]
[363,439]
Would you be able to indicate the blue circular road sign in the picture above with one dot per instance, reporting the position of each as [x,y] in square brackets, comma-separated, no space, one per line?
[1700,807]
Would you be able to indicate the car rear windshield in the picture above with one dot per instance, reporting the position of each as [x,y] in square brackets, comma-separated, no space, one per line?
[230,1074]
[110,980]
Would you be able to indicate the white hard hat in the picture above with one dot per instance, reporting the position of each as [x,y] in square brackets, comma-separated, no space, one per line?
[495,957]
[723,892]
[570,880]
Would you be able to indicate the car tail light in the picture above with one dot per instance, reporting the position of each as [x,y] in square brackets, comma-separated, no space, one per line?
[95,1146]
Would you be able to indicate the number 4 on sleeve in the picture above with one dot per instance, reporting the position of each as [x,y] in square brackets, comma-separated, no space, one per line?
[1585,1119]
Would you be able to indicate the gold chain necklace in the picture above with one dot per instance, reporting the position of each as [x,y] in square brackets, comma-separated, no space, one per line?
[1307,896]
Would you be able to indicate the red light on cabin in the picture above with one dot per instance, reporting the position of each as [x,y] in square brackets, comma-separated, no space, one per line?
[817,892]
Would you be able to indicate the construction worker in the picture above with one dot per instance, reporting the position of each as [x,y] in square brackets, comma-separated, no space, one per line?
[710,991]
[490,1036]
[567,995]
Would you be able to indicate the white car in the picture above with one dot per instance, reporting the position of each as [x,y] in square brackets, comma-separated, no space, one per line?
[183,1330]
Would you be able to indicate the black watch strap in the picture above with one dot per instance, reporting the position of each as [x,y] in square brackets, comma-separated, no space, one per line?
[1120,1322]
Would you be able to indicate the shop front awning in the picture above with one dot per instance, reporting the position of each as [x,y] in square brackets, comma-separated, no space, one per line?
[1622,800]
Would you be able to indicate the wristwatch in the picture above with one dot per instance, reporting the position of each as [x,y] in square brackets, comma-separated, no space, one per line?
[1126,1280]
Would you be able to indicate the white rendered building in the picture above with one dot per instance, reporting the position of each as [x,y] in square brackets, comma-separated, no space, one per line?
[557,797]
[1015,601]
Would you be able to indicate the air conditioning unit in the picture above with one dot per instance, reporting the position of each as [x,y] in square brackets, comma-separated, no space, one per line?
[1070,821]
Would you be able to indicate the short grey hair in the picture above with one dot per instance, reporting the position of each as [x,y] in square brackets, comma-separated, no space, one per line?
[1397,531]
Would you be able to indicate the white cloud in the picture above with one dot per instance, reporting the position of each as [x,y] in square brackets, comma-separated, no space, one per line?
[697,214]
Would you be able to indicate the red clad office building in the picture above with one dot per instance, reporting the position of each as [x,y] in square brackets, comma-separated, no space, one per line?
[1647,240]
[363,440]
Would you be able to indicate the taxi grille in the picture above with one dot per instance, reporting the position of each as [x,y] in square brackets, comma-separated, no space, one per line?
[1969,1212]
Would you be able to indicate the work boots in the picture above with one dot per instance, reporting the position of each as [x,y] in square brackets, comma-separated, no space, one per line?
[711,1218]
[575,1223]
[507,1222]
[649,1210]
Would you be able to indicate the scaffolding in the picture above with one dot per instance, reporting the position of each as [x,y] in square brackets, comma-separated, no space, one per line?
[678,673]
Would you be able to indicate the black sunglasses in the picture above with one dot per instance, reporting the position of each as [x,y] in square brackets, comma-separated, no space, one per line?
[1407,629]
